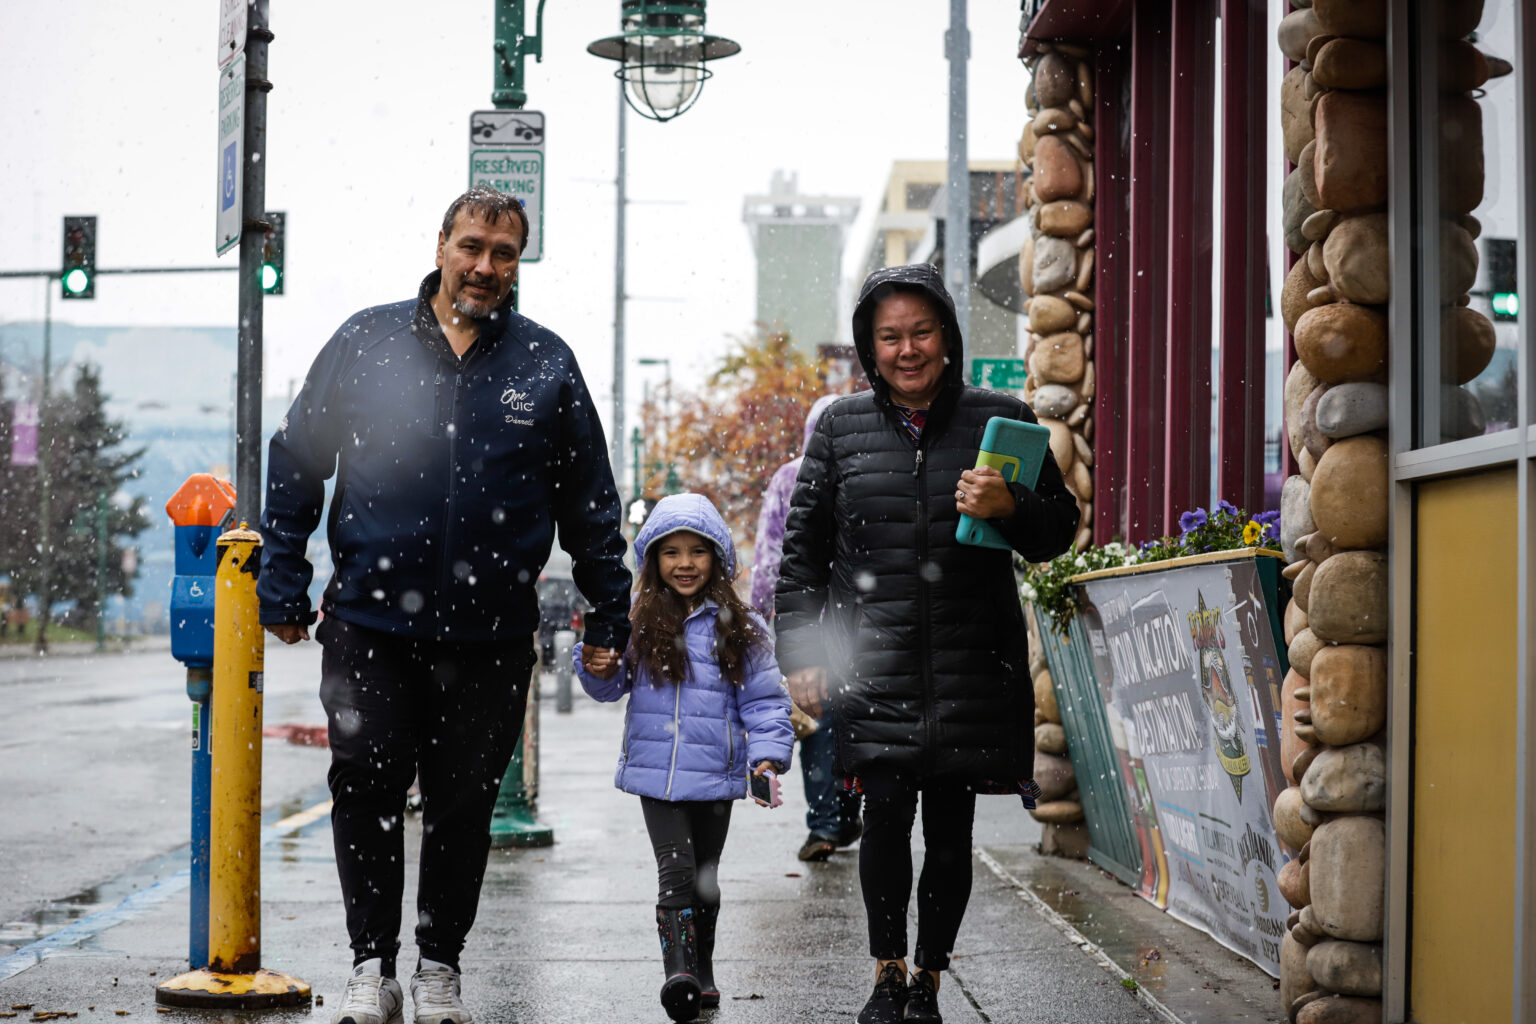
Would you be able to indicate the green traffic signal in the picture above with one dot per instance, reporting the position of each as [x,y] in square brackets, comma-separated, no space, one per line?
[77,269]
[272,253]
[1506,306]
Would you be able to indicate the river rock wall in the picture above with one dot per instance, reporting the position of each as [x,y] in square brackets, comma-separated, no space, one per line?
[1334,511]
[1056,270]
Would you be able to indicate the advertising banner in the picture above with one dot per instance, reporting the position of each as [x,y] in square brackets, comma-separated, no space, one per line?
[1186,660]
[24,421]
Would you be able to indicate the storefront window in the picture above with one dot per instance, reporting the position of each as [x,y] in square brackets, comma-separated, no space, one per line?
[1469,201]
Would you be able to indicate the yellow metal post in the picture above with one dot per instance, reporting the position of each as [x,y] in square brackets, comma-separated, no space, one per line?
[234,978]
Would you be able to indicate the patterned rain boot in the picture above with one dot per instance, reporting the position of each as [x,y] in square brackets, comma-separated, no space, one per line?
[680,959]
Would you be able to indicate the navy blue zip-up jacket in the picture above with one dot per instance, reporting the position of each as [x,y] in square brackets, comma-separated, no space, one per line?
[453,475]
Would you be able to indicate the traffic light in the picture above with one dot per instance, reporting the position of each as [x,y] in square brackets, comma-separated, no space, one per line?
[78,269]
[1503,289]
[272,255]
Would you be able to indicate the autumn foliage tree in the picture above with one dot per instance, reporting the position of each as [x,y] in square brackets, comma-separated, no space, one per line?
[726,440]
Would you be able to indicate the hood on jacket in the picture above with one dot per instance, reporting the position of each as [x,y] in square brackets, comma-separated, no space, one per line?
[914,277]
[688,512]
[817,408]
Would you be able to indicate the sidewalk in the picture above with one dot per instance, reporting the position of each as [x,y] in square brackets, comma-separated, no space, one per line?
[566,933]
[85,648]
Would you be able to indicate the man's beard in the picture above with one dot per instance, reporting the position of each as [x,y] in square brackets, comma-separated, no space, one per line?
[466,306]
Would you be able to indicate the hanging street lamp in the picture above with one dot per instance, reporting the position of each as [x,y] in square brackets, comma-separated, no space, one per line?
[662,54]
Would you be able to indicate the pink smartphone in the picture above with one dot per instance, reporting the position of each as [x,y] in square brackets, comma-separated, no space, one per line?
[765,789]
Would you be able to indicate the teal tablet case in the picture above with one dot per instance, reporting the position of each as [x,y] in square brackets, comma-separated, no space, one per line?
[1015,449]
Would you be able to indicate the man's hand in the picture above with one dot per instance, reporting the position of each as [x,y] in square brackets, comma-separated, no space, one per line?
[289,632]
[984,494]
[602,662]
[808,688]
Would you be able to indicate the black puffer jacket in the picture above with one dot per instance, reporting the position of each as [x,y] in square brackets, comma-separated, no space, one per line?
[923,637]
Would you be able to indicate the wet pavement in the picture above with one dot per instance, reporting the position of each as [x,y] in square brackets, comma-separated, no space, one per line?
[566,932]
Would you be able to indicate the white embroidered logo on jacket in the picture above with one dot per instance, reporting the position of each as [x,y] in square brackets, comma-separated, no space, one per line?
[517,402]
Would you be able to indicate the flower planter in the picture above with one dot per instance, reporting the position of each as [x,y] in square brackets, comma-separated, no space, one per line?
[1169,686]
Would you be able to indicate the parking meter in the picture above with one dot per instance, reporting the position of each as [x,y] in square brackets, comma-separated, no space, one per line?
[200,510]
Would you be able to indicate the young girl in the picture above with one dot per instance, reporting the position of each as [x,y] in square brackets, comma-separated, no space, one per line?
[707,707]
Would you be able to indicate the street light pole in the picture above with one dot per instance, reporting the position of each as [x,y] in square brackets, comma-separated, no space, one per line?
[957,230]
[616,444]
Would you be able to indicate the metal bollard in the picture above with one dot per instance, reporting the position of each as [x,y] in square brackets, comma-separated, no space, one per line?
[234,978]
[565,642]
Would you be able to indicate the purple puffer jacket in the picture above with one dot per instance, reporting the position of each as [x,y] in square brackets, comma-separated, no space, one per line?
[768,548]
[697,740]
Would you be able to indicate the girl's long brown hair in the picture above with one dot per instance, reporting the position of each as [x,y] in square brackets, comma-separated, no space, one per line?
[658,613]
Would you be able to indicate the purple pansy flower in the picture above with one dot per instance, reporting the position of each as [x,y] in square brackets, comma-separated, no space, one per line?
[1192,520]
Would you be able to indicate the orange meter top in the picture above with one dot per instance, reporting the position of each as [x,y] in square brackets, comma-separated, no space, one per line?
[203,500]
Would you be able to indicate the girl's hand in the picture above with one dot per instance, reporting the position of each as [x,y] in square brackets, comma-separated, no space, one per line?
[766,794]
[984,494]
[602,662]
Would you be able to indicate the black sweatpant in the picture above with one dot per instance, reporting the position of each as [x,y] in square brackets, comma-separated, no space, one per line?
[396,707]
[885,865]
[688,837]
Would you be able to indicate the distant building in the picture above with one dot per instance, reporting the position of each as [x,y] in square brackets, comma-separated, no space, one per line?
[799,243]
[911,225]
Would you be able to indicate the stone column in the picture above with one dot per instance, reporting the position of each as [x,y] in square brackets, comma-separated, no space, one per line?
[1334,511]
[1056,272]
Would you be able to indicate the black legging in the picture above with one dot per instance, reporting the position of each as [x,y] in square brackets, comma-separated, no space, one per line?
[688,837]
[885,865]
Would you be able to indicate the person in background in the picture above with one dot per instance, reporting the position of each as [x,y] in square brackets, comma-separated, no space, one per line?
[462,434]
[832,815]
[696,727]
[917,639]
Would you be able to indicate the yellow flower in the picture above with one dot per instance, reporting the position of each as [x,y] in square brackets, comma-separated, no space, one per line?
[1252,532]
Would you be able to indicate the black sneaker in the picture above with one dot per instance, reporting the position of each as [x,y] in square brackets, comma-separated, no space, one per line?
[816,848]
[922,1000]
[850,834]
[889,1000]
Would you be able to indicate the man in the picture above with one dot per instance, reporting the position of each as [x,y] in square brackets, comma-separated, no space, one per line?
[462,435]
[832,812]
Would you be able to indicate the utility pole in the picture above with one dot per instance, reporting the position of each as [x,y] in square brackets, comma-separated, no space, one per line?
[616,445]
[957,229]
[45,485]
[248,488]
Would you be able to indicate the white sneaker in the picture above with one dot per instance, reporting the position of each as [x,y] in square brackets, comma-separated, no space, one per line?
[435,995]
[369,998]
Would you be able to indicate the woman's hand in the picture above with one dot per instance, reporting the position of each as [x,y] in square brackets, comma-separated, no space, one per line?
[602,662]
[764,766]
[808,688]
[984,494]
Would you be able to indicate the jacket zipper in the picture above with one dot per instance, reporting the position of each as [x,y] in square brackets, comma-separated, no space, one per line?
[446,563]
[925,627]
[730,745]
[677,731]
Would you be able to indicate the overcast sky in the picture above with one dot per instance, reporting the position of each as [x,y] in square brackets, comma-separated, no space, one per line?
[110,109]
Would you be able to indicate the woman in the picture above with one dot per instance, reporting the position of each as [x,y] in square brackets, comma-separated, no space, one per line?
[917,639]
